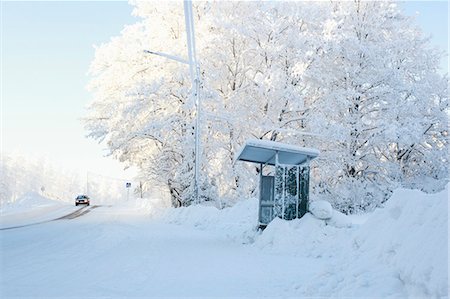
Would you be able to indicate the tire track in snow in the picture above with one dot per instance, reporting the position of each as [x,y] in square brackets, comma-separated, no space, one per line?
[78,213]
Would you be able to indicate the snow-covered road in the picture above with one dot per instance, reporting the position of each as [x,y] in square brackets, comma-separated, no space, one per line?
[72,215]
[115,252]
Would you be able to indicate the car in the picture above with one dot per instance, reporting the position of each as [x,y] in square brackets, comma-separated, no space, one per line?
[82,200]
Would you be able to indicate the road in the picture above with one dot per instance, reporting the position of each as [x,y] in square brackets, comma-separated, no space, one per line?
[118,252]
[80,212]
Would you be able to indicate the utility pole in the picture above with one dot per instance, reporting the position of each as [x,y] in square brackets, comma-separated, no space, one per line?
[194,70]
[87,183]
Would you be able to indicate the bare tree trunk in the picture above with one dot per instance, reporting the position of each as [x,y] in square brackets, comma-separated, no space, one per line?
[175,198]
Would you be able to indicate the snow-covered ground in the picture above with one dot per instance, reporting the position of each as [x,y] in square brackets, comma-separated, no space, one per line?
[140,249]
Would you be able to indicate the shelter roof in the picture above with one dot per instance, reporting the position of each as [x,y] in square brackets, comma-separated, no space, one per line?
[264,151]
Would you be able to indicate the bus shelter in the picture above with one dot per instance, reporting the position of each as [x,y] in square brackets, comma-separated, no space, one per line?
[284,178]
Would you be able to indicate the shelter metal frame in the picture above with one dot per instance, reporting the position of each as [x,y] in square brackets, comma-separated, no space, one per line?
[283,157]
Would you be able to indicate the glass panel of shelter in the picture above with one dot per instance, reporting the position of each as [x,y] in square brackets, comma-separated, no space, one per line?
[266,199]
[285,193]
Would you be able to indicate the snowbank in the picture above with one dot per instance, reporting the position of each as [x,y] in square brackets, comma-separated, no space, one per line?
[305,237]
[29,201]
[409,236]
[150,206]
[238,222]
[321,209]
[400,251]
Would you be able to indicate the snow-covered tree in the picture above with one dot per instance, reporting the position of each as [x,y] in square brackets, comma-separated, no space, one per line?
[251,59]
[7,181]
[379,103]
[141,108]
[354,79]
[144,110]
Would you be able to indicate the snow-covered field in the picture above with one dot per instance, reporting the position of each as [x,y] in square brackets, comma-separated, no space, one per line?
[138,249]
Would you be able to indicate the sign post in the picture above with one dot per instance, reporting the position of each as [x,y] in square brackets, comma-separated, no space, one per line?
[128,185]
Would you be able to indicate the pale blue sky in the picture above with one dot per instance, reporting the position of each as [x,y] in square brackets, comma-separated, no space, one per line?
[46,51]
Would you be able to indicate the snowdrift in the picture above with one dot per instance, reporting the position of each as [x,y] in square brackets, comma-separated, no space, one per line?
[401,250]
[237,222]
[409,237]
[29,201]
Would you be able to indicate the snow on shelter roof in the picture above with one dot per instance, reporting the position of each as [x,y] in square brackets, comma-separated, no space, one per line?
[263,151]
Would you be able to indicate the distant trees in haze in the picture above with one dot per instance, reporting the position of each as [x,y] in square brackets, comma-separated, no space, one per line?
[357,80]
[20,175]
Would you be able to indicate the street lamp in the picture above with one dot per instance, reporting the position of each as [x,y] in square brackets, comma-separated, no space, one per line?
[194,70]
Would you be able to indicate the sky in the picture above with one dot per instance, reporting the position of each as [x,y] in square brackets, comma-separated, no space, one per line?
[46,49]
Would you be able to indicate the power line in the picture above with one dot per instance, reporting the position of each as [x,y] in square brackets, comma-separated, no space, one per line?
[109,177]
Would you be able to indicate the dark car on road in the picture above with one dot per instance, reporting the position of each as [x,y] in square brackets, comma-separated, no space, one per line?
[82,200]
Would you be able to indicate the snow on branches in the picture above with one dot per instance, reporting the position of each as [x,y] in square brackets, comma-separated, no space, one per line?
[354,79]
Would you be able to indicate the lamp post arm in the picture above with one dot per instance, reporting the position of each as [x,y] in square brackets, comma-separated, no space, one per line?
[168,56]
